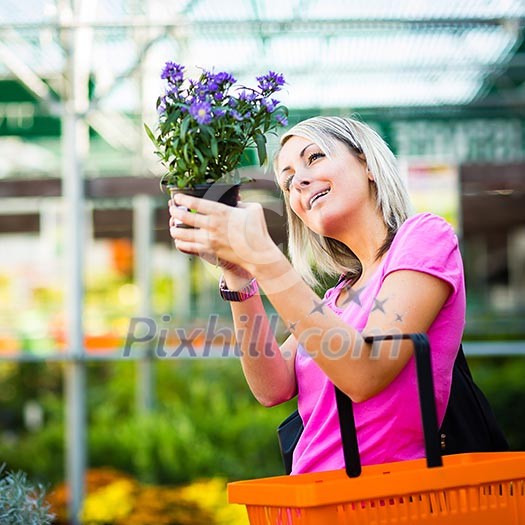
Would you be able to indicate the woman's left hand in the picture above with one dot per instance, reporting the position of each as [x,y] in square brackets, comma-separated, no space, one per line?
[238,236]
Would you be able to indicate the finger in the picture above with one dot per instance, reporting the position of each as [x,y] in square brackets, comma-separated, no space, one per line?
[172,222]
[193,235]
[190,237]
[186,247]
[202,206]
[192,248]
[181,214]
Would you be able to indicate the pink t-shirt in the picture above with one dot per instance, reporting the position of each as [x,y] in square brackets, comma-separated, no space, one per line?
[389,424]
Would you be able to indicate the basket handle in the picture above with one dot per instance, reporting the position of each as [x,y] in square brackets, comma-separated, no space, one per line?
[427,405]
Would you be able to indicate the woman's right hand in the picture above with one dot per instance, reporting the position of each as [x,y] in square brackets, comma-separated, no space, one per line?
[233,273]
[238,236]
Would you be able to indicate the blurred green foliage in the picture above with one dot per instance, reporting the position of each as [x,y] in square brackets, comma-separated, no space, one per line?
[502,382]
[205,422]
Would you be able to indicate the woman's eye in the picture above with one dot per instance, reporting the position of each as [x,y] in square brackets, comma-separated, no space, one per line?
[314,156]
[287,183]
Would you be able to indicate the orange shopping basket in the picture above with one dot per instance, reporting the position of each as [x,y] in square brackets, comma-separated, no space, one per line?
[483,488]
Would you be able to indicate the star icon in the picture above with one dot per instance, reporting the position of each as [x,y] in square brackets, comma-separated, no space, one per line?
[291,327]
[378,305]
[352,296]
[399,318]
[318,307]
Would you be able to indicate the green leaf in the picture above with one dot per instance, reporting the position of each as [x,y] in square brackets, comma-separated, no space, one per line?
[200,156]
[151,136]
[214,147]
[260,142]
[184,128]
[202,160]
[185,154]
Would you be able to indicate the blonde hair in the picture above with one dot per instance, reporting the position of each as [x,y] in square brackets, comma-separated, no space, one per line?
[310,251]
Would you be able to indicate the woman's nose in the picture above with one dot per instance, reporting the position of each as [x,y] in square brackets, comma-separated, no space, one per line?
[300,180]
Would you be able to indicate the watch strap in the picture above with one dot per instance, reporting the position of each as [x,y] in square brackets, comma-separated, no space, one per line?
[237,295]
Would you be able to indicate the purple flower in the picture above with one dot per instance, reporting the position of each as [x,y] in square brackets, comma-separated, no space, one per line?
[173,92]
[236,115]
[216,84]
[161,106]
[224,78]
[248,96]
[217,115]
[201,112]
[212,86]
[281,119]
[271,82]
[270,105]
[173,73]
[200,90]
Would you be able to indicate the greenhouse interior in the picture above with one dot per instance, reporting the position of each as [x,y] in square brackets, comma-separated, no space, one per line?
[122,399]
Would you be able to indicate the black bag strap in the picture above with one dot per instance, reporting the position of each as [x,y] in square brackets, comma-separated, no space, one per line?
[348,434]
[426,401]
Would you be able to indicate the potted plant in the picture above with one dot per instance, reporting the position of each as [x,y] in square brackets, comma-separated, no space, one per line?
[206,125]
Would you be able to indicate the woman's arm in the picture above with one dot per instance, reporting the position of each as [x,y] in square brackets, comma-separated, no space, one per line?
[408,301]
[269,370]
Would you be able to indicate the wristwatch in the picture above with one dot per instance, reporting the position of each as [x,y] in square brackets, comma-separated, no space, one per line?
[240,295]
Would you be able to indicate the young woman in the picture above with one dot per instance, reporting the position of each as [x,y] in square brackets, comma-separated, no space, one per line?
[348,215]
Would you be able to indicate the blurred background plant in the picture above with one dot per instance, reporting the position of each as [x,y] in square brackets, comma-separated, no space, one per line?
[115,498]
[205,426]
[21,502]
[205,423]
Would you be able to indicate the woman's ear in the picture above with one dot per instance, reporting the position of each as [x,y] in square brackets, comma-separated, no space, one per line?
[369,174]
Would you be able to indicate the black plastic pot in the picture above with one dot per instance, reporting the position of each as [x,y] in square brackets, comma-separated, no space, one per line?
[216,191]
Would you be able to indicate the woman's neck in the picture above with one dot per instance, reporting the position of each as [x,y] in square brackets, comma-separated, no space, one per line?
[366,241]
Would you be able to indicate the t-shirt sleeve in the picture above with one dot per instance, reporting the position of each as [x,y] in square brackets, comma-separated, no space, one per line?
[427,243]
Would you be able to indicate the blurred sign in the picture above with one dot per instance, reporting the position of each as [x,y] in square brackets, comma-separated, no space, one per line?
[435,188]
[460,140]
[21,113]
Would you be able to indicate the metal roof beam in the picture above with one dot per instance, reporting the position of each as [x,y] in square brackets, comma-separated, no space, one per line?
[422,68]
[278,26]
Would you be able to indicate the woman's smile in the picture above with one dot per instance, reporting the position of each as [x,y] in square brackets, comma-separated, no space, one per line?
[316,197]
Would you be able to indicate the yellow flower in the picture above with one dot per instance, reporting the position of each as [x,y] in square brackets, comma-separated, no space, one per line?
[109,503]
[211,495]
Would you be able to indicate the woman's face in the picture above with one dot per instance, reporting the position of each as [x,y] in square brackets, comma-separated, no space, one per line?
[324,192]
